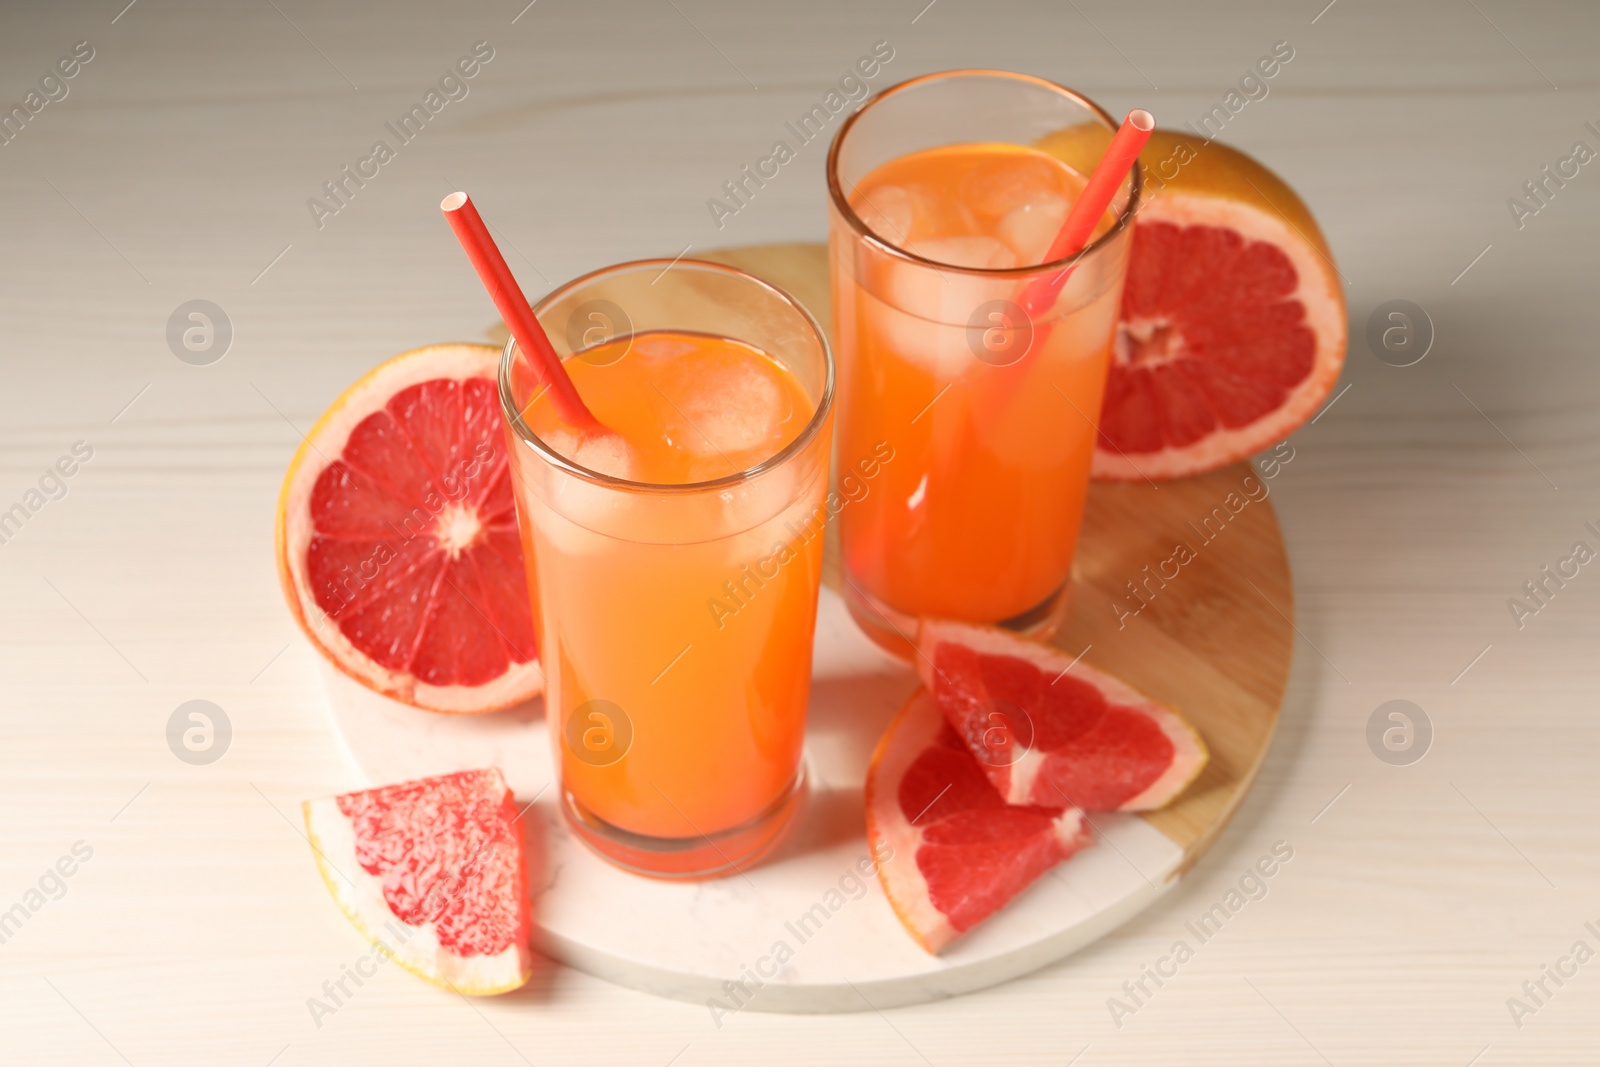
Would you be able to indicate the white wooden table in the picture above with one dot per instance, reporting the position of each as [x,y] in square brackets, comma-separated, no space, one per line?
[178,167]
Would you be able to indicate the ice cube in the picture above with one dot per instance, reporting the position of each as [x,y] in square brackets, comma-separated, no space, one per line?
[603,453]
[751,509]
[1009,181]
[939,348]
[607,454]
[1031,226]
[979,252]
[574,515]
[952,297]
[927,315]
[733,409]
[654,346]
[888,212]
[562,442]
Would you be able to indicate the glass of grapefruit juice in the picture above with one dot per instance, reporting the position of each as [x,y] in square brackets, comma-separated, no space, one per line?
[941,209]
[674,564]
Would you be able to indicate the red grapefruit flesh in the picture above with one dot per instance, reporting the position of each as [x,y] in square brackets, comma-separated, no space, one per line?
[1233,326]
[397,536]
[956,853]
[1050,731]
[432,871]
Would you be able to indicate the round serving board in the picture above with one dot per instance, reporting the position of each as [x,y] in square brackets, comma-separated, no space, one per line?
[1215,641]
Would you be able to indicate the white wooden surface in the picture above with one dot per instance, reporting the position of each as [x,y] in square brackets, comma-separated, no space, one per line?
[178,167]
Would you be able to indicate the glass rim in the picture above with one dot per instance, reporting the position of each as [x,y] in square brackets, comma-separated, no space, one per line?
[513,414]
[842,203]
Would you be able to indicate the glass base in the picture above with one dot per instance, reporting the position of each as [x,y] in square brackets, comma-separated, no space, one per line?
[688,858]
[896,633]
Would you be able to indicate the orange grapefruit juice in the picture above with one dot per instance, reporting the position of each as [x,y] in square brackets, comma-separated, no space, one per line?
[992,419]
[675,622]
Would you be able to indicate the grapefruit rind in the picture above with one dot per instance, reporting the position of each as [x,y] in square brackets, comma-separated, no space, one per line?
[325,441]
[1190,754]
[908,734]
[915,728]
[415,948]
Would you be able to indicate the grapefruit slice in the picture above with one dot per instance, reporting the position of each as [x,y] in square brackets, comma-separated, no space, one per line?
[397,536]
[953,853]
[1233,323]
[432,873]
[1050,731]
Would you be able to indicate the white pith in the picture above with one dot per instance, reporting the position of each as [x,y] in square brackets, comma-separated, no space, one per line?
[416,948]
[1142,331]
[1024,772]
[1318,292]
[457,528]
[454,361]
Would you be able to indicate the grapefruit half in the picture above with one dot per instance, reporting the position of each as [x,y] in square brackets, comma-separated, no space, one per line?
[956,852]
[1232,328]
[397,536]
[1048,730]
[432,872]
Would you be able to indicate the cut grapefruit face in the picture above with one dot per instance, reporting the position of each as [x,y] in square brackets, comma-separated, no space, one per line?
[397,536]
[1051,731]
[956,853]
[1232,328]
[432,873]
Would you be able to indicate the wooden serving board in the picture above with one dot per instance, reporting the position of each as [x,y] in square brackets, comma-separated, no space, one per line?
[1215,641]
[1212,638]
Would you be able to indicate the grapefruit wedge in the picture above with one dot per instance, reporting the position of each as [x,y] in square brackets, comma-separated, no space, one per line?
[1232,328]
[956,852]
[397,536]
[432,872]
[1047,730]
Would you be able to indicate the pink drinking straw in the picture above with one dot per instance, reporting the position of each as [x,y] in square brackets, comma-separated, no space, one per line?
[513,307]
[1125,146]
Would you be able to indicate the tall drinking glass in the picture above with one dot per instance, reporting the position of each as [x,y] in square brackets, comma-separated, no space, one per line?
[675,619]
[941,208]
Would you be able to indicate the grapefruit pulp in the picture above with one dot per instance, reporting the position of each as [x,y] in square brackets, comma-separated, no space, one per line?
[1047,730]
[959,852]
[397,536]
[432,872]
